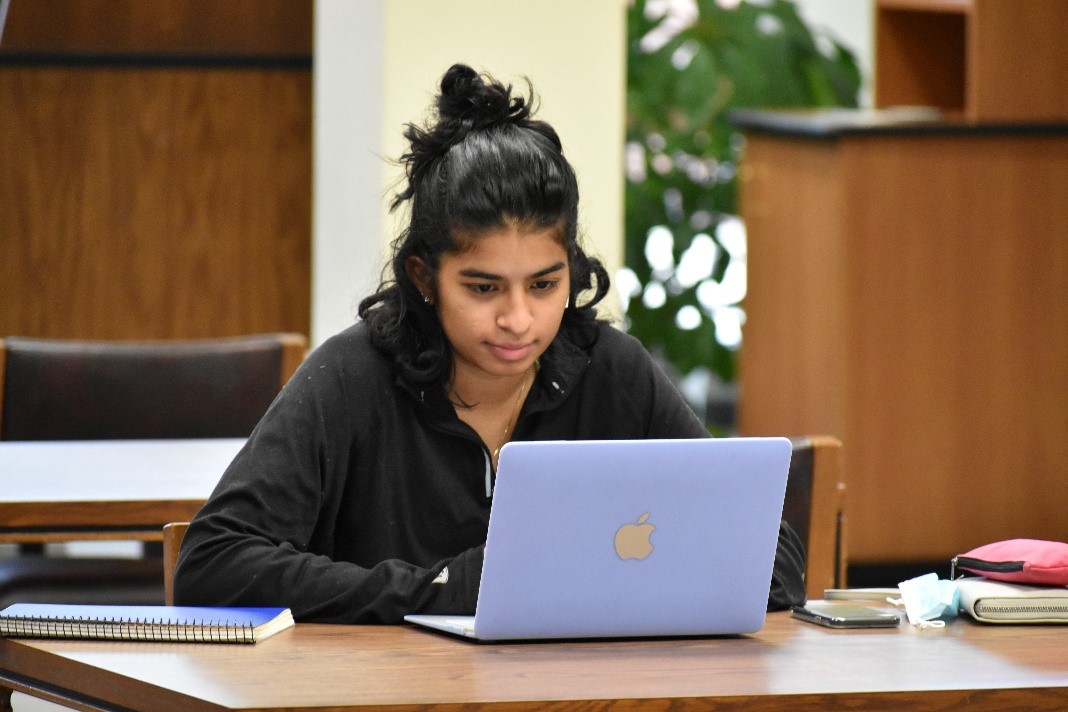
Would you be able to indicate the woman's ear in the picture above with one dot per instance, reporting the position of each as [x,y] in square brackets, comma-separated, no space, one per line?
[415,268]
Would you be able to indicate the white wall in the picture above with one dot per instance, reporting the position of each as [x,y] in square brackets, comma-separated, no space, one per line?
[347,168]
[851,22]
[377,66]
[574,54]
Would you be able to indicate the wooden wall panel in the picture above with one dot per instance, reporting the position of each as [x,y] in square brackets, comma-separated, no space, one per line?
[118,26]
[155,168]
[1018,62]
[162,203]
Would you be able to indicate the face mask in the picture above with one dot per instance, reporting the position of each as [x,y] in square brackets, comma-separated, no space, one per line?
[926,598]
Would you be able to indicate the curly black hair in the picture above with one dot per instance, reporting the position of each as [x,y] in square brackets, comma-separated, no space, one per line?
[483,164]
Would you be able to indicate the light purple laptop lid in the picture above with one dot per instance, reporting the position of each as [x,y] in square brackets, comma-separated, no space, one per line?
[558,565]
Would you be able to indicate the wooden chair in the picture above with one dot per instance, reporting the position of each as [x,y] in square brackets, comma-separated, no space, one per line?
[54,389]
[815,508]
[173,534]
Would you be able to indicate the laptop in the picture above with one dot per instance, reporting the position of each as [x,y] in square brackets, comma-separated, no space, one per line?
[628,538]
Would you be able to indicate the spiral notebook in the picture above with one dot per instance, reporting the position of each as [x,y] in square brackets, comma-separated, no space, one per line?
[194,624]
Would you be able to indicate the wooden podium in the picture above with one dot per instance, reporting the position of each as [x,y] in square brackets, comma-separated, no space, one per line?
[908,293]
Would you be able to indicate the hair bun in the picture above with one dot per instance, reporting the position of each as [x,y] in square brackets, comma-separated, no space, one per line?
[469,99]
[459,80]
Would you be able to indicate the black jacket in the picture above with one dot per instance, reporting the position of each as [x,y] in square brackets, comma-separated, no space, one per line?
[356,489]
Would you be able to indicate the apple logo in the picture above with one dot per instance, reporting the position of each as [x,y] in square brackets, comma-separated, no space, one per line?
[632,540]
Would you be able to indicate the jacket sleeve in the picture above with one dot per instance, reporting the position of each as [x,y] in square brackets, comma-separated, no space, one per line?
[647,394]
[788,575]
[265,536]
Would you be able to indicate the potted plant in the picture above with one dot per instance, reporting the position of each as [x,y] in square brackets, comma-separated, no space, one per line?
[690,62]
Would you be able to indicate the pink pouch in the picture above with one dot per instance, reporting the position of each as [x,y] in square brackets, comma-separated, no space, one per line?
[1032,561]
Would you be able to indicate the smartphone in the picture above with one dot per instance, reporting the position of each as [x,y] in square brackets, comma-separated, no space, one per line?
[845,615]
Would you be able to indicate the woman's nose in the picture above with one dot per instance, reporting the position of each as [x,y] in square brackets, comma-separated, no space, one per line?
[516,316]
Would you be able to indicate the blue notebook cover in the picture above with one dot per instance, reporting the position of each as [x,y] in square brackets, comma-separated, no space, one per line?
[148,623]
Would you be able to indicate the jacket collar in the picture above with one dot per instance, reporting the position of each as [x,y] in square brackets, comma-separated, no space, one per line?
[562,366]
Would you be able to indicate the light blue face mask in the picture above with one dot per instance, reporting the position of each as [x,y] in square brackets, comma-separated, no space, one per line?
[928,600]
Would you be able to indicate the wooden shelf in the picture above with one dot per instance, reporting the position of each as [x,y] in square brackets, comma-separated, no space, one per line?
[928,5]
[986,60]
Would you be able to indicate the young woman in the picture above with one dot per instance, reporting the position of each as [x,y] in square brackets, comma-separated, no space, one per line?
[364,493]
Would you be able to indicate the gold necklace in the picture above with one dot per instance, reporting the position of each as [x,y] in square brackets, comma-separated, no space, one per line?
[515,416]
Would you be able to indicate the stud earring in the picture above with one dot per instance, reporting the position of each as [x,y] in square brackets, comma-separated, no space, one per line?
[426,299]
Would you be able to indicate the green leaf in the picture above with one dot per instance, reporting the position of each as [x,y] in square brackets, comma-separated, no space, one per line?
[756,55]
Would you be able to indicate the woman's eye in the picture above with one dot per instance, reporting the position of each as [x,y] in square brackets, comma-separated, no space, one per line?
[481,288]
[544,285]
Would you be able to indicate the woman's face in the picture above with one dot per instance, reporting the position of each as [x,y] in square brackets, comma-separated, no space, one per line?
[501,300]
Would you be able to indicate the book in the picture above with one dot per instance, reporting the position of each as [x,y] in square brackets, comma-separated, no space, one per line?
[992,601]
[860,594]
[196,624]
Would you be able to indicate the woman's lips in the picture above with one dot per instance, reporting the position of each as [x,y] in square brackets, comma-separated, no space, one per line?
[512,352]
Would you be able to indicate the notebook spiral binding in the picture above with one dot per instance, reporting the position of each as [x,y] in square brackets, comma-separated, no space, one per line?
[159,630]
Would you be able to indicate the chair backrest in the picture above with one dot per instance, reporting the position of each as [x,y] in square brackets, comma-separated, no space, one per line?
[53,389]
[173,534]
[815,508]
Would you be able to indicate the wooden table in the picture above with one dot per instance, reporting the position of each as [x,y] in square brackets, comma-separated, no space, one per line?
[788,665]
[105,489]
